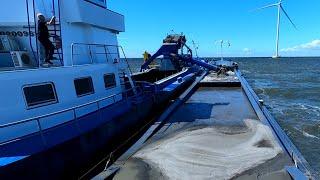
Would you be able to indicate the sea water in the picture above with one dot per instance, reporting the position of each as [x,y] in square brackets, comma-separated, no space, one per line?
[290,87]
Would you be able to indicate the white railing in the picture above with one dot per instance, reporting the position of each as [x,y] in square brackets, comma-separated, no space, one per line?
[125,96]
[95,51]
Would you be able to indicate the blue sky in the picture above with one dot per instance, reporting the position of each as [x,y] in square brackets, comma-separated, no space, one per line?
[251,33]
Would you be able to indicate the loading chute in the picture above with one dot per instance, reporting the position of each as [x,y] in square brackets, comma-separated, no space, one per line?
[170,48]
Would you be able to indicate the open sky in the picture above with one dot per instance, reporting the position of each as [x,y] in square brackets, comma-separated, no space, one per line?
[251,33]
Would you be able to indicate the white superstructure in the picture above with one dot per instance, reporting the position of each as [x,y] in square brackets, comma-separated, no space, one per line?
[87,66]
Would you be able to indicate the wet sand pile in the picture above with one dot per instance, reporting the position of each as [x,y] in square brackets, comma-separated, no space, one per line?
[206,153]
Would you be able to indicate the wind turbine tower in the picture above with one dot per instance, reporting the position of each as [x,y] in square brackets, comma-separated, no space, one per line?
[280,9]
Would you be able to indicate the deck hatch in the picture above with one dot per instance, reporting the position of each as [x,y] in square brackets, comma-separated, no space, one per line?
[83,86]
[109,80]
[40,95]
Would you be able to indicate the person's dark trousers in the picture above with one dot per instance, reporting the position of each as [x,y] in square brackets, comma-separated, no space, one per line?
[49,48]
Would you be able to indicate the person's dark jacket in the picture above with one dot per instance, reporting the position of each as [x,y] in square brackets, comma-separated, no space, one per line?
[43,32]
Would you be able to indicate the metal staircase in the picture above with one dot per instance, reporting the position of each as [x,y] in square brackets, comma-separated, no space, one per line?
[55,38]
[127,80]
[55,32]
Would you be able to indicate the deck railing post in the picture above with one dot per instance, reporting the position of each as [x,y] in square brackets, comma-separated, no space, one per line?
[76,120]
[105,52]
[98,104]
[90,53]
[72,54]
[41,133]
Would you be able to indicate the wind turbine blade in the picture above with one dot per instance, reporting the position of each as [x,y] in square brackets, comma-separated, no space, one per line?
[268,6]
[284,11]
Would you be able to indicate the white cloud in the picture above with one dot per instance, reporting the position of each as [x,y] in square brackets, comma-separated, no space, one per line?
[313,45]
[247,51]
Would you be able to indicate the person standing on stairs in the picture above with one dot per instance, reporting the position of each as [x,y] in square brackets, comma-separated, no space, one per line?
[43,36]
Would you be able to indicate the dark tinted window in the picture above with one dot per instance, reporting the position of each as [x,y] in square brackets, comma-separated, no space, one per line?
[83,86]
[109,80]
[37,95]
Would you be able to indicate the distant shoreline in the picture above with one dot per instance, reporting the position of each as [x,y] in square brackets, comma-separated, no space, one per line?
[286,57]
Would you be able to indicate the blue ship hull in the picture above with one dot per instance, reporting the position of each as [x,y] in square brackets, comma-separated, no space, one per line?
[74,147]
[74,155]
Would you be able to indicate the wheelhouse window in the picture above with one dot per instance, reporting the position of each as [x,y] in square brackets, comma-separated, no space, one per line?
[40,95]
[83,86]
[109,81]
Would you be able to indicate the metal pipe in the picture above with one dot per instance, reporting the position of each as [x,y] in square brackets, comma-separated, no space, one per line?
[29,28]
[59,13]
[35,30]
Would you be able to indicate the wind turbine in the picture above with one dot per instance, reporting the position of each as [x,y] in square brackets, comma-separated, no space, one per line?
[222,42]
[280,8]
[196,47]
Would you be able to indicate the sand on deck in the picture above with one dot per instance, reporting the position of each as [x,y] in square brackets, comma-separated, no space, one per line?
[210,153]
[215,135]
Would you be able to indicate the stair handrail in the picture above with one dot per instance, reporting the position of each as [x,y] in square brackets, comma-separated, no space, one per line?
[55,27]
[125,58]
